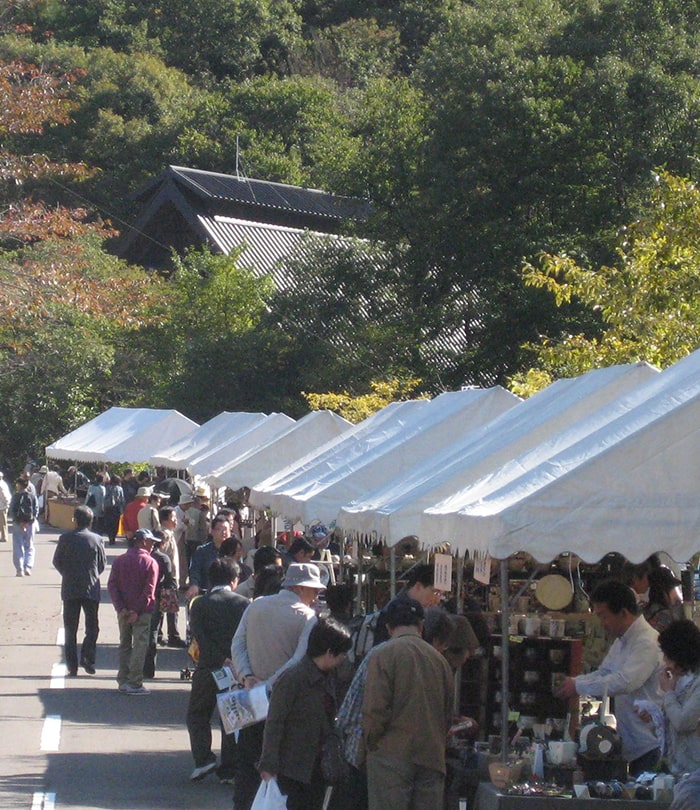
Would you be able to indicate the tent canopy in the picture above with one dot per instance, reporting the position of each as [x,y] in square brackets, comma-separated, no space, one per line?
[358,464]
[394,510]
[217,456]
[210,434]
[122,435]
[384,419]
[313,431]
[627,482]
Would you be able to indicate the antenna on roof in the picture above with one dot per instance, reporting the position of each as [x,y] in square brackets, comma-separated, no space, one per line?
[238,174]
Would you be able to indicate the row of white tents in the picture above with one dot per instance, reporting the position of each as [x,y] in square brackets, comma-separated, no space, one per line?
[608,461]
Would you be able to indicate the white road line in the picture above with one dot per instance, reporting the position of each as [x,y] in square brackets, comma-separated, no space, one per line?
[51,733]
[43,801]
[58,676]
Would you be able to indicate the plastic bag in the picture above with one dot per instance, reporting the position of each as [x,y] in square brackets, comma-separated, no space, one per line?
[269,797]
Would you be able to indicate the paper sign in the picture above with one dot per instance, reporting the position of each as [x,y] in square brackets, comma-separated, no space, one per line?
[482,568]
[443,572]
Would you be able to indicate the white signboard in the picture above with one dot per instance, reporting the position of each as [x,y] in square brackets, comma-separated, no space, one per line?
[443,572]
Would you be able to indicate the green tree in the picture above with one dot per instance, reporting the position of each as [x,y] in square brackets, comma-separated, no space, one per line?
[70,323]
[645,304]
[228,38]
[127,112]
[534,144]
[214,305]
[288,130]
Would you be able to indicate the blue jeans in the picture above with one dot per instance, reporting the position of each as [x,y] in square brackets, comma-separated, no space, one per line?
[23,546]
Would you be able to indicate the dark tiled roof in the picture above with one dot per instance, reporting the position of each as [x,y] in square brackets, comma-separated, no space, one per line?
[269,250]
[271,196]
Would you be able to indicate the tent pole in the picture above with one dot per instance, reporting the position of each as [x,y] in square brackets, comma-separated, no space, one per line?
[392,569]
[457,705]
[505,658]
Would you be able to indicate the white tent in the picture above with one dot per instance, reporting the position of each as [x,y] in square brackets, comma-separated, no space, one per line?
[394,511]
[217,456]
[358,464]
[122,435]
[313,431]
[627,483]
[210,434]
[383,421]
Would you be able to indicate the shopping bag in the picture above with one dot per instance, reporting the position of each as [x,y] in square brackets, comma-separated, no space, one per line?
[269,797]
[169,601]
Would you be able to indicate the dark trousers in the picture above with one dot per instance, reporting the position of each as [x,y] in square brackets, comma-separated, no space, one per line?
[110,523]
[247,778]
[149,665]
[301,796]
[71,618]
[199,711]
[352,794]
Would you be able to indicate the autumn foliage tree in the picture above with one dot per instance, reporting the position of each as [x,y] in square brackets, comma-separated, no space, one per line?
[65,305]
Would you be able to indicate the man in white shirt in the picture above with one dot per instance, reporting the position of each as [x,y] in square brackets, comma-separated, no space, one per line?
[630,671]
[272,636]
[5,498]
[51,487]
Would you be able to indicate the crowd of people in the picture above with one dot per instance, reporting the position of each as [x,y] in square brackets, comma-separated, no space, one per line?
[381,684]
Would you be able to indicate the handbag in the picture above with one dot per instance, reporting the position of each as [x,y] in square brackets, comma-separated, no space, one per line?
[269,797]
[334,766]
[168,602]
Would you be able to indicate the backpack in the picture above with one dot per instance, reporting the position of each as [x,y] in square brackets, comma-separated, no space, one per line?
[23,511]
[111,501]
[362,635]
[91,502]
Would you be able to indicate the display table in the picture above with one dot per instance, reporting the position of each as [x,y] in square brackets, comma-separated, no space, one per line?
[61,512]
[488,798]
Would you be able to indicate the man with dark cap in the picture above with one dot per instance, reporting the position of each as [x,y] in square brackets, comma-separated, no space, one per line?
[372,629]
[80,559]
[406,713]
[132,586]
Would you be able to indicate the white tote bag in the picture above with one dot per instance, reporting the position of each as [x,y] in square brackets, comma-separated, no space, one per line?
[269,797]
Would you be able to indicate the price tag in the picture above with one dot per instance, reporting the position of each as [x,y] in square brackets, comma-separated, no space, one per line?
[482,568]
[443,572]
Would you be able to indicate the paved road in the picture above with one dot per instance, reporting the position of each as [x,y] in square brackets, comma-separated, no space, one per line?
[78,743]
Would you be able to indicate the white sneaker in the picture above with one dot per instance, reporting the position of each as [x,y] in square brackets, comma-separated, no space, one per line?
[136,690]
[199,773]
[123,687]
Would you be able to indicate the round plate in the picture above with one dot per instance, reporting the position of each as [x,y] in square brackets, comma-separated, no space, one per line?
[554,591]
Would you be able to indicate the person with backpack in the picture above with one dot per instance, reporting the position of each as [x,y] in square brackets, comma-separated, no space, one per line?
[95,500]
[24,510]
[113,508]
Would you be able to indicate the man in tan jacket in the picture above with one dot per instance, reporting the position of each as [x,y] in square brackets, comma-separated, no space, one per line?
[406,714]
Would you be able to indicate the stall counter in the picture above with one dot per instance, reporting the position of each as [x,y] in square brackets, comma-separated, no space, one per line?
[61,512]
[488,798]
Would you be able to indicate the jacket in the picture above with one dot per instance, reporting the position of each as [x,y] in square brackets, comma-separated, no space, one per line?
[214,618]
[407,705]
[80,559]
[296,722]
[682,712]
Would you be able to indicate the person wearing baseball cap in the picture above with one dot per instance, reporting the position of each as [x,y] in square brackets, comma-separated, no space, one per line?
[132,586]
